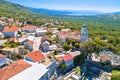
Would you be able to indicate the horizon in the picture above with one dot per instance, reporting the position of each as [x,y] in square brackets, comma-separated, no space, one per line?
[90,5]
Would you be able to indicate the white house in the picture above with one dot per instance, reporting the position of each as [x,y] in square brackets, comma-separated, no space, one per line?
[40,32]
[29,44]
[29,28]
[1,35]
[10,32]
[68,59]
[38,57]
[24,70]
[45,46]
[3,60]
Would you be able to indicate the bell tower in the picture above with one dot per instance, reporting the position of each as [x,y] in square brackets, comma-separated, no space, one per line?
[84,33]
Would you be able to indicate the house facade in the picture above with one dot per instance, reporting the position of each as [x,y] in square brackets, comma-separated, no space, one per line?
[29,44]
[10,32]
[30,28]
[68,59]
[3,61]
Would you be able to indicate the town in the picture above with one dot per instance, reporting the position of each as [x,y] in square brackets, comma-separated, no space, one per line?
[30,52]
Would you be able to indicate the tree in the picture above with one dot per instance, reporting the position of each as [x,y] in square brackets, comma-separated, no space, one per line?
[89,47]
[63,66]
[77,45]
[66,47]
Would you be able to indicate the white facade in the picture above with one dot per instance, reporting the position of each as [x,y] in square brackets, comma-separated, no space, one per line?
[84,34]
[3,61]
[45,46]
[10,34]
[41,32]
[35,72]
[30,30]
[69,62]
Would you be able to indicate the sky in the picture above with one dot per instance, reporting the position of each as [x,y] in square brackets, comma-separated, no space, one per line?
[94,5]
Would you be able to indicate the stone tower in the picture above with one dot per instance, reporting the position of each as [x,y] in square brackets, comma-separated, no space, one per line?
[84,33]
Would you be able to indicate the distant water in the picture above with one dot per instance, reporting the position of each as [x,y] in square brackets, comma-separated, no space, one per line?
[82,14]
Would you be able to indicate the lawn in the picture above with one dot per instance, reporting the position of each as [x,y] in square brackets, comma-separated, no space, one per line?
[115,75]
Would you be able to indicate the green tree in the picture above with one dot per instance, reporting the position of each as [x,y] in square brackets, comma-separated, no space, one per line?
[66,47]
[77,45]
[63,66]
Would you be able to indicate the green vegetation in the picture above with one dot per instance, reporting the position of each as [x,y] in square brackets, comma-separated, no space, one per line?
[77,70]
[66,47]
[100,26]
[11,45]
[63,66]
[115,75]
[17,56]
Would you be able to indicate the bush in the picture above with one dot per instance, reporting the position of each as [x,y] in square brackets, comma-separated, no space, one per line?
[17,56]
[63,66]
[115,75]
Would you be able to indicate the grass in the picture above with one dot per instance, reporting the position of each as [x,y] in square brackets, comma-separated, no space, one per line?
[115,75]
[77,70]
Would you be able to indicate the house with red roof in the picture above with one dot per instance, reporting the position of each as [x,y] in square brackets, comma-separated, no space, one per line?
[29,44]
[30,28]
[68,59]
[10,32]
[13,69]
[38,57]
[35,56]
[3,60]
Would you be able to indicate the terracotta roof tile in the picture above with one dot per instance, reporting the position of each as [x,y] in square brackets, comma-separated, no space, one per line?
[1,55]
[12,39]
[59,58]
[30,42]
[67,57]
[36,56]
[29,26]
[105,58]
[12,29]
[13,69]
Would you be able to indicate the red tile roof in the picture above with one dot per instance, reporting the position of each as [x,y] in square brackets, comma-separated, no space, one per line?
[30,42]
[1,55]
[105,58]
[67,57]
[13,69]
[76,31]
[12,29]
[29,26]
[59,58]
[36,56]
[12,39]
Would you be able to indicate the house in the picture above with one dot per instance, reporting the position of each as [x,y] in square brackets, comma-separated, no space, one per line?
[68,59]
[29,28]
[40,32]
[13,69]
[23,70]
[38,57]
[59,60]
[3,60]
[105,59]
[29,44]
[10,32]
[2,43]
[45,46]
[12,39]
[1,35]
[35,56]
[44,38]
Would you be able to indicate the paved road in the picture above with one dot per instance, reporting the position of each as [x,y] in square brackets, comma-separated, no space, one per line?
[37,42]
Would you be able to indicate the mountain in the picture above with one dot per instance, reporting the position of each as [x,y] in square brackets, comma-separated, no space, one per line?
[9,9]
[64,12]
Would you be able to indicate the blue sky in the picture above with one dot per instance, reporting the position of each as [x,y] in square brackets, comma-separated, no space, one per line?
[97,5]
